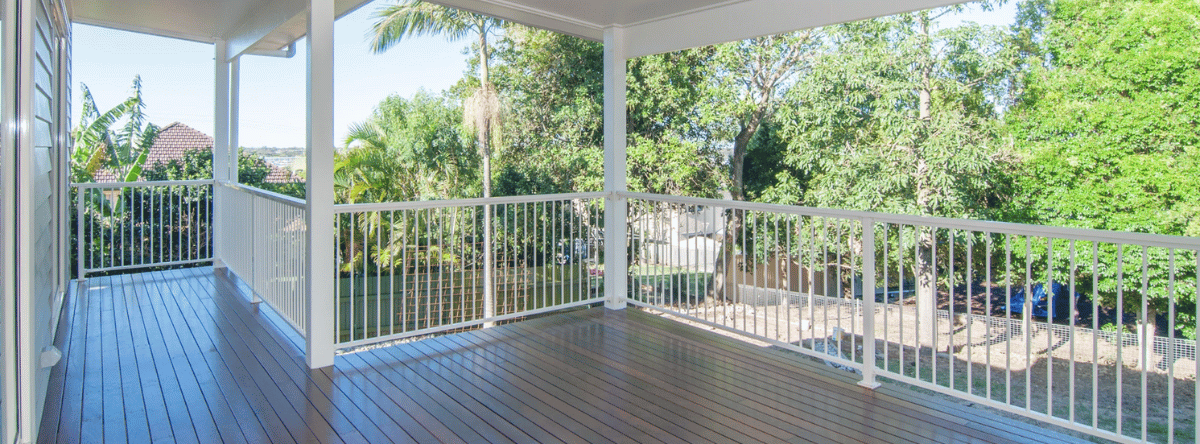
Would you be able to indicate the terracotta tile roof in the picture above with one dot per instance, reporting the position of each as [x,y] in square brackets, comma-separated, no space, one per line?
[175,140]
[104,176]
[280,175]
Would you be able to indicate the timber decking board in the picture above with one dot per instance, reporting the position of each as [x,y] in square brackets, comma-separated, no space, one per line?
[183,356]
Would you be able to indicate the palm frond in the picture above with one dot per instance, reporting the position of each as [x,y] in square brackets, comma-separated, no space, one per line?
[416,18]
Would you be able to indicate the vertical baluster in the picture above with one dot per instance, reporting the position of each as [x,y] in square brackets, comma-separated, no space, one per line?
[886,284]
[1071,321]
[1170,355]
[969,311]
[1027,324]
[780,258]
[338,227]
[825,293]
[1096,334]
[1120,367]
[1049,290]
[901,310]
[1007,319]
[935,319]
[868,303]
[951,239]
[79,233]
[529,261]
[841,290]
[989,290]
[162,228]
[1145,340]
[379,255]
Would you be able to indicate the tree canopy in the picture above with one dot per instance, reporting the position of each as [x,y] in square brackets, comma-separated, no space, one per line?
[1108,119]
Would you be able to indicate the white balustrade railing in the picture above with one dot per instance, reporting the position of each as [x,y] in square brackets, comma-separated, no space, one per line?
[266,242]
[416,268]
[934,303]
[941,304]
[132,225]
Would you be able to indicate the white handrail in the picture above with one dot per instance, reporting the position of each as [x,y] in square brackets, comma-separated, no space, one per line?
[426,204]
[270,195]
[157,183]
[1116,237]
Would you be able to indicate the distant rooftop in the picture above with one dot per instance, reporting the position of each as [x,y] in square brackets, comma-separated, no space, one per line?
[175,140]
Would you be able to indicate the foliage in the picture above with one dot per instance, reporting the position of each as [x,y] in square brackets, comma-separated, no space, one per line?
[482,108]
[749,81]
[555,86]
[1107,122]
[897,115]
[197,164]
[764,166]
[408,149]
[417,18]
[98,145]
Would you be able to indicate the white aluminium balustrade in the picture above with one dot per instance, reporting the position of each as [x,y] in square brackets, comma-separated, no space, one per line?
[266,248]
[409,269]
[130,225]
[929,302]
[920,300]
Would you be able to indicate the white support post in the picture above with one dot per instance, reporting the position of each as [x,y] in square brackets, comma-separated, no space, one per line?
[235,93]
[319,186]
[231,167]
[616,207]
[26,254]
[868,304]
[8,221]
[220,149]
[17,176]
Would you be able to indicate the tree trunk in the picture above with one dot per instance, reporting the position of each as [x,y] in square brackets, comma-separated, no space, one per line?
[725,269]
[925,264]
[723,288]
[924,269]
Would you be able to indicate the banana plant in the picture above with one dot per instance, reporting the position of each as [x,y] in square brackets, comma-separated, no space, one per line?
[101,145]
[98,145]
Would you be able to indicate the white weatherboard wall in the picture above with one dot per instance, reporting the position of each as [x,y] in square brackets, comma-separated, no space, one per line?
[36,37]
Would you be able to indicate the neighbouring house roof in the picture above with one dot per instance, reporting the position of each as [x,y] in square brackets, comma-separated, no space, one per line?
[175,140]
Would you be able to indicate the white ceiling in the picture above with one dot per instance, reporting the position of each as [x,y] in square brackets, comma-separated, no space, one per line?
[652,26]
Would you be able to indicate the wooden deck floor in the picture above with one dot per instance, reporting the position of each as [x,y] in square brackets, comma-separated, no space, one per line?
[180,356]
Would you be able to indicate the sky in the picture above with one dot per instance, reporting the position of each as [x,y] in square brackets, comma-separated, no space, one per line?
[177,76]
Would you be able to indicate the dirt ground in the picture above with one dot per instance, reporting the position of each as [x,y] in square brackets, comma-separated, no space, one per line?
[1039,369]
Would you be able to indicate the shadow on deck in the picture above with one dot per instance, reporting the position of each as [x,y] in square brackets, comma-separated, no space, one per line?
[181,356]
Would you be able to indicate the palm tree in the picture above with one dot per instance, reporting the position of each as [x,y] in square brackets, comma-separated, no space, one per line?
[481,112]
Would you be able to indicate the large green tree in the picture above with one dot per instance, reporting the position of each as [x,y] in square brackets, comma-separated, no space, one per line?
[1109,117]
[555,85]
[748,83]
[898,114]
[1109,124]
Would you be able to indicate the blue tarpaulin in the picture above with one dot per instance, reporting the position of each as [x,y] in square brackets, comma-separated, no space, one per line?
[1063,303]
